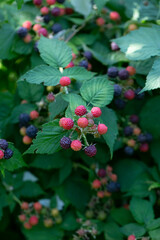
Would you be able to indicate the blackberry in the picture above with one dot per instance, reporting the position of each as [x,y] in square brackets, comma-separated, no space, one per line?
[101,173]
[65,142]
[129,150]
[113,187]
[22,32]
[90,150]
[8,153]
[3,144]
[117,90]
[142,138]
[123,74]
[46,19]
[139,96]
[112,72]
[57,27]
[134,119]
[88,55]
[128,131]
[56,11]
[24,119]
[149,137]
[83,63]
[31,131]
[120,103]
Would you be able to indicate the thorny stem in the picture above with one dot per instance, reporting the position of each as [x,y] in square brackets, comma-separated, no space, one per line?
[10,189]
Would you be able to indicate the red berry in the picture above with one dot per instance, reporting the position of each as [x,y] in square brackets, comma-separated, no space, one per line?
[69,11]
[34,115]
[42,31]
[61,121]
[96,184]
[131,70]
[44,10]
[82,122]
[24,206]
[37,2]
[27,225]
[129,94]
[1,154]
[100,194]
[70,65]
[22,218]
[115,16]
[131,237]
[113,177]
[65,81]
[36,27]
[80,110]
[33,220]
[27,140]
[100,21]
[73,56]
[62,11]
[37,206]
[51,2]
[101,173]
[96,111]
[109,169]
[67,123]
[144,147]
[76,145]
[27,24]
[102,129]
[27,38]
[131,142]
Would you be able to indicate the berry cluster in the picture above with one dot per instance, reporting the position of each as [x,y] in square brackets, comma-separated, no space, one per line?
[87,231]
[27,130]
[33,213]
[108,16]
[84,124]
[5,152]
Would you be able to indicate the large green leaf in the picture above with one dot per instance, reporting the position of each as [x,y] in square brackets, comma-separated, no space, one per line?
[84,6]
[143,67]
[122,216]
[78,73]
[55,52]
[100,4]
[153,224]
[21,47]
[97,91]
[155,151]
[155,234]
[133,228]
[29,189]
[112,231]
[19,3]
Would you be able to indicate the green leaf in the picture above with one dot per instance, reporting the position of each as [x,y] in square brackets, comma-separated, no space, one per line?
[30,190]
[155,234]
[140,44]
[20,47]
[84,6]
[65,170]
[121,215]
[19,3]
[55,52]
[155,223]
[23,108]
[43,74]
[109,118]
[112,231]
[30,92]
[142,210]
[69,222]
[57,107]
[78,73]
[133,229]
[100,4]
[143,67]
[97,91]
[155,152]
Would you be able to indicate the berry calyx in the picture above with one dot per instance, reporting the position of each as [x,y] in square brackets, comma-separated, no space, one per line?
[80,110]
[76,145]
[102,129]
[65,142]
[96,184]
[37,206]
[1,154]
[67,123]
[82,122]
[33,220]
[24,206]
[96,111]
[34,115]
[65,81]
[90,151]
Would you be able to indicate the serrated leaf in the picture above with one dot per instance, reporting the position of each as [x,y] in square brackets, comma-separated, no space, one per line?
[100,4]
[19,3]
[34,190]
[20,47]
[133,229]
[97,91]
[112,231]
[78,73]
[143,67]
[57,107]
[155,223]
[121,216]
[155,234]
[54,52]
[74,100]
[84,6]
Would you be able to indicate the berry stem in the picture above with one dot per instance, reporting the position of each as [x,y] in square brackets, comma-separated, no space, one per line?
[83,167]
[10,189]
[85,139]
[66,90]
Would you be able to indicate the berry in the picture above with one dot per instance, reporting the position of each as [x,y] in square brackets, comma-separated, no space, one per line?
[139,96]
[58,220]
[149,137]
[80,110]
[65,142]
[51,2]
[117,90]
[114,46]
[88,55]
[48,222]
[60,1]
[22,32]
[102,129]
[36,27]
[142,138]
[131,237]
[27,24]
[57,27]
[114,16]
[44,10]
[34,115]
[131,70]
[131,142]
[100,194]
[137,131]
[123,74]
[84,63]
[24,206]
[27,39]
[22,218]
[46,19]
[82,122]
[69,11]
[37,206]
[109,169]
[50,97]
[101,215]
[55,11]
[129,150]
[96,184]
[113,187]
[90,151]
[31,131]
[96,111]
[120,103]
[132,27]
[112,72]
[37,2]
[67,123]
[129,94]
[3,144]
[76,145]
[101,173]
[33,220]
[128,131]
[8,153]
[27,225]
[90,123]
[62,11]
[134,119]
[70,65]
[43,31]
[1,154]
[144,147]
[65,81]
[61,121]
[89,116]
[89,214]
[113,177]
[100,21]
[74,56]
[27,140]
[55,212]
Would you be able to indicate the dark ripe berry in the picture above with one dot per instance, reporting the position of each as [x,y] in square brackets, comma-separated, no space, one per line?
[69,11]
[3,144]
[129,150]
[112,72]
[65,142]
[149,137]
[129,94]
[60,1]
[83,63]
[37,2]
[57,27]
[128,131]
[90,150]
[46,19]
[120,103]
[36,47]
[55,11]
[114,46]
[142,138]
[134,119]
[88,55]
[139,96]
[113,187]
[144,147]
[22,32]
[8,153]
[123,74]
[117,90]
[24,119]
[31,131]
[101,173]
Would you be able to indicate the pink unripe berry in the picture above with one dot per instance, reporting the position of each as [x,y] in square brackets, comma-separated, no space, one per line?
[24,101]
[100,194]
[43,31]
[67,123]
[34,115]
[90,122]
[76,145]
[100,21]
[62,11]
[27,24]
[27,38]
[137,131]
[1,154]
[96,111]
[96,184]
[131,237]
[37,2]
[27,225]
[70,65]
[73,56]
[144,147]
[22,218]
[65,81]
[37,206]
[82,122]
[89,116]
[113,177]
[36,27]
[131,70]
[51,2]
[27,140]
[24,206]
[33,220]
[109,169]
[131,142]
[115,16]
[102,129]
[61,121]
[44,10]
[80,110]
[129,94]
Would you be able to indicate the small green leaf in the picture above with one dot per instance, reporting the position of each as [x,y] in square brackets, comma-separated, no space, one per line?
[155,223]
[78,73]
[100,3]
[57,107]
[112,231]
[34,190]
[84,6]
[133,229]
[155,234]
[19,3]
